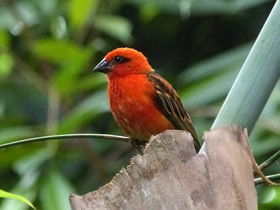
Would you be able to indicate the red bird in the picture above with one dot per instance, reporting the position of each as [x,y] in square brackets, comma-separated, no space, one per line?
[142,102]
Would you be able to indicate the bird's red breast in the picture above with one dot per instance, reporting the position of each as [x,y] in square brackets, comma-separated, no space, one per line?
[131,102]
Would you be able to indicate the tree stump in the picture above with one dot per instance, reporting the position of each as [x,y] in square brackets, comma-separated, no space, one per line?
[170,175]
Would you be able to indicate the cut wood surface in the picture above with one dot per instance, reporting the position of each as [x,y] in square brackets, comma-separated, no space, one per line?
[170,175]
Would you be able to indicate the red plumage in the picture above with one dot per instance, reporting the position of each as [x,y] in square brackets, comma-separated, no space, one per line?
[131,103]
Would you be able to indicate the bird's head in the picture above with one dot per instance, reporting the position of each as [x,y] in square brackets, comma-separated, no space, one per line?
[124,61]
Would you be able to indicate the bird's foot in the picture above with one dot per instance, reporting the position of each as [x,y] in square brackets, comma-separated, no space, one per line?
[139,146]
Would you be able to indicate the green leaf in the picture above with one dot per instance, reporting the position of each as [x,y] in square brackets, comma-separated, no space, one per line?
[56,51]
[84,112]
[4,194]
[55,191]
[115,26]
[80,12]
[4,40]
[12,155]
[91,82]
[6,64]
[68,74]
[25,187]
[226,61]
[270,196]
[32,161]
[72,59]
[12,133]
[209,90]
[149,11]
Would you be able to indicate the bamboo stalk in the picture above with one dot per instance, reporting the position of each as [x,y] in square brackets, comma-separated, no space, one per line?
[256,79]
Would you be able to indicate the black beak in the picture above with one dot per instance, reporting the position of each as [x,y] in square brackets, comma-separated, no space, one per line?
[103,67]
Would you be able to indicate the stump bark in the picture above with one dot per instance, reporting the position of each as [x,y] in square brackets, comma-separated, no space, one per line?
[170,175]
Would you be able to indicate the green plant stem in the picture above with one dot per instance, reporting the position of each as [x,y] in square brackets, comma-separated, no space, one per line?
[66,136]
[256,79]
[271,177]
[269,161]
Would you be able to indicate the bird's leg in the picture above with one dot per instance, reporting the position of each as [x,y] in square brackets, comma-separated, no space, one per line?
[139,146]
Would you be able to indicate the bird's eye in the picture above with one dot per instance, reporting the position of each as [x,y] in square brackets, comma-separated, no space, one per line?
[118,59]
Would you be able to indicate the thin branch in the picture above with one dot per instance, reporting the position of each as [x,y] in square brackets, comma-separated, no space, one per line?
[66,136]
[269,161]
[271,177]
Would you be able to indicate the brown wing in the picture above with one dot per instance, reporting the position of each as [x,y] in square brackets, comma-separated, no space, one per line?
[169,103]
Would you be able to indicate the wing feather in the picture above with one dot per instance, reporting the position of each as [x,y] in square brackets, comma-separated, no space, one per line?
[169,103]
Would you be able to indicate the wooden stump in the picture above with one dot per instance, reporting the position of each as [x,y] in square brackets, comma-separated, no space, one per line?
[170,175]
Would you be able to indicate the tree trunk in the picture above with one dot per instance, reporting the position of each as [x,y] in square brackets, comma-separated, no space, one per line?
[170,175]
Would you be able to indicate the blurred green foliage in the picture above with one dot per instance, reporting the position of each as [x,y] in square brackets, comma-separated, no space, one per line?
[47,51]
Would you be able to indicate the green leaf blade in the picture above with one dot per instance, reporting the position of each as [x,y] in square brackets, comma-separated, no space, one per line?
[4,194]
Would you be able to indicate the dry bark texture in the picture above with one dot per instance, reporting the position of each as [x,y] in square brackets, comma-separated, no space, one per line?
[170,175]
